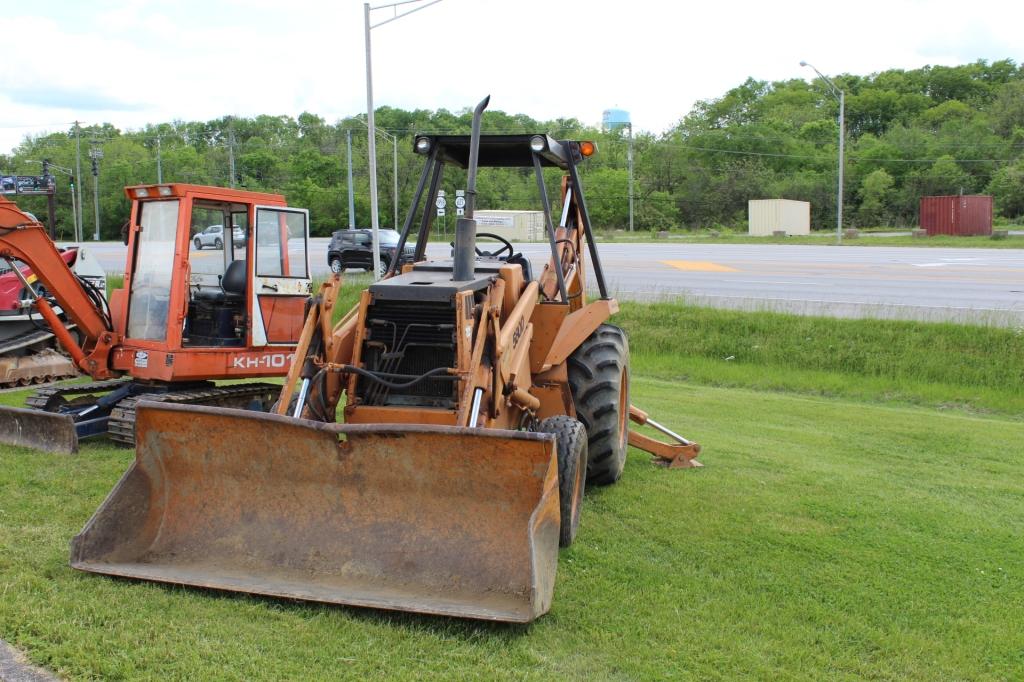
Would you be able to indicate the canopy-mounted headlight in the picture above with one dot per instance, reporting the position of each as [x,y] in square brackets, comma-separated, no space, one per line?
[538,143]
[164,190]
[141,192]
[422,145]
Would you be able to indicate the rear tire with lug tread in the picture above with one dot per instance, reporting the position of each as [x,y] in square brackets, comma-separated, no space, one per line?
[599,381]
[571,447]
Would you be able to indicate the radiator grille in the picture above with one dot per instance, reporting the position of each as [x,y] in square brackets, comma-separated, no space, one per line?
[409,338]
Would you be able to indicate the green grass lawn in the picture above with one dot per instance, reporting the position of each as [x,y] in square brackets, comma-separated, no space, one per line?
[824,539]
[860,515]
[944,365]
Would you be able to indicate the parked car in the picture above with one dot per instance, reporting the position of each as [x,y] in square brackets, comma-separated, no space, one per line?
[214,236]
[353,249]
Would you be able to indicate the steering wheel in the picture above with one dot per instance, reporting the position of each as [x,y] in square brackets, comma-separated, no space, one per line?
[506,246]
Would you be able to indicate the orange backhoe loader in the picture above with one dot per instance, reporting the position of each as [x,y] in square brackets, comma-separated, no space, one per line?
[185,316]
[477,399]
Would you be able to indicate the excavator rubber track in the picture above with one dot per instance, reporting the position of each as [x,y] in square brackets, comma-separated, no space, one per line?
[49,399]
[121,427]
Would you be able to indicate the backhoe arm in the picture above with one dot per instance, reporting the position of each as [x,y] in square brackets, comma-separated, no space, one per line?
[25,239]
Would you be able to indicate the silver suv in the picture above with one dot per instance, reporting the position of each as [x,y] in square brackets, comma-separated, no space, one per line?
[214,236]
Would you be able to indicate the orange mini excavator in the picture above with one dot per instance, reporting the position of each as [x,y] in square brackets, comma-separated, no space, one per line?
[186,315]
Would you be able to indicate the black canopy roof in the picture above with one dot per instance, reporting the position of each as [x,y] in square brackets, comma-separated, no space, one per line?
[502,151]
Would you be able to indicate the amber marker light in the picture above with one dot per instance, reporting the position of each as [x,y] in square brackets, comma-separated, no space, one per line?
[587,148]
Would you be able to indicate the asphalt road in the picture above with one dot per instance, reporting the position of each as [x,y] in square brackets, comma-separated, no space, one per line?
[981,285]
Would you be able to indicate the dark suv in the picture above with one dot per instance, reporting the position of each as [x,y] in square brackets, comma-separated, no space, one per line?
[352,249]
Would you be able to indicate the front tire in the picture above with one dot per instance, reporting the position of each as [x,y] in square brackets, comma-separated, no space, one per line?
[384,264]
[218,244]
[336,266]
[199,244]
[571,446]
[599,381]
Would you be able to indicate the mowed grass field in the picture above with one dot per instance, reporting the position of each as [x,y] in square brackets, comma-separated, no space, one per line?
[839,530]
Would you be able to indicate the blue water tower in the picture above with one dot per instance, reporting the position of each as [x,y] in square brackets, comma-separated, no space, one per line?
[614,119]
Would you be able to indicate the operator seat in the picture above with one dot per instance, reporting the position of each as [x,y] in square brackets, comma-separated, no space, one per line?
[523,262]
[235,281]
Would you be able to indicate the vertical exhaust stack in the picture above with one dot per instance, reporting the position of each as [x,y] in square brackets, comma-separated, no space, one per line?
[465,227]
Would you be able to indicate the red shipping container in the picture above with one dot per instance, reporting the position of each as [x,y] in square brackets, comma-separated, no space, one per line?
[964,214]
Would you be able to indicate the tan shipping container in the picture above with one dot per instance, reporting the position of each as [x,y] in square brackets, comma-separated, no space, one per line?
[772,215]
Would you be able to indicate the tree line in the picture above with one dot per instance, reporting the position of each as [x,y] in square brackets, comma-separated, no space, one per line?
[910,133]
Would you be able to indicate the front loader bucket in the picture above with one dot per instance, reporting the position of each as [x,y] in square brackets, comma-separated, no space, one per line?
[38,430]
[432,519]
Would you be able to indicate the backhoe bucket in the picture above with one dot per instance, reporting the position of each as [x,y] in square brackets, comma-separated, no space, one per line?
[432,519]
[39,430]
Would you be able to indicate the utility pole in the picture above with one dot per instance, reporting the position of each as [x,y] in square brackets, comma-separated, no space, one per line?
[159,170]
[74,212]
[629,158]
[79,220]
[96,154]
[351,191]
[231,154]
[394,172]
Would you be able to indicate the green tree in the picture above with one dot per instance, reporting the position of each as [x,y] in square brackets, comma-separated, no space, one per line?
[1007,190]
[874,198]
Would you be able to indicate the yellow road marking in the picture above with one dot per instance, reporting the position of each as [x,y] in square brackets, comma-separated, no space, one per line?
[698,266]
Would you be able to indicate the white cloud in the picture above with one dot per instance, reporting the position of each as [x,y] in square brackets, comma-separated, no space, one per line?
[199,60]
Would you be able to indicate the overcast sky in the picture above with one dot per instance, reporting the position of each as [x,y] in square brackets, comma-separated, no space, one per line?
[136,62]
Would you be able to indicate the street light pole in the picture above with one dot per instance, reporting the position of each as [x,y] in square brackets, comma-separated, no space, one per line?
[841,98]
[370,124]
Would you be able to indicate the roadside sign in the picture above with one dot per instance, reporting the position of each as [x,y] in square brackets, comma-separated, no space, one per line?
[440,212]
[440,202]
[29,184]
[460,202]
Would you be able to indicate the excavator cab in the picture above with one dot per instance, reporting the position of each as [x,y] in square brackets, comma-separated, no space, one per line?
[215,287]
[224,272]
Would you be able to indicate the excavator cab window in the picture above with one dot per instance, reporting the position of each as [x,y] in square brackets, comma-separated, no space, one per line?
[150,291]
[216,311]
